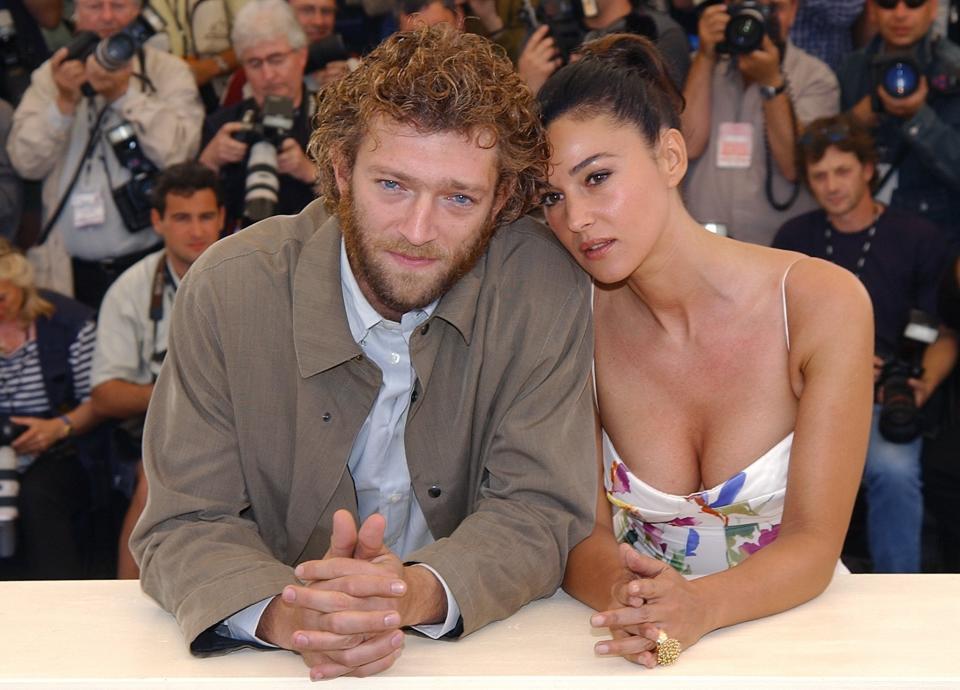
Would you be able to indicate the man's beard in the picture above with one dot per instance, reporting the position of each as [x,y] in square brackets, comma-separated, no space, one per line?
[398,290]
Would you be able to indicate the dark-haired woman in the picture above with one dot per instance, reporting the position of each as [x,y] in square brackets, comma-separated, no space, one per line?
[734,382]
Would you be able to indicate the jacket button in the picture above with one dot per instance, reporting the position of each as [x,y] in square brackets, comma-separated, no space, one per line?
[434,491]
[326,417]
[424,329]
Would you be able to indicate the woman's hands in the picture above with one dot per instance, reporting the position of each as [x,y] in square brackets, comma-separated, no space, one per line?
[650,597]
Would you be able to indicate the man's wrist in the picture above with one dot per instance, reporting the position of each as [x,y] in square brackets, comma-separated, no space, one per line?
[270,622]
[425,602]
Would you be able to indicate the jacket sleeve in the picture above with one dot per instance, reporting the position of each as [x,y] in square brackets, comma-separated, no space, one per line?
[40,133]
[200,551]
[167,120]
[11,190]
[539,496]
[936,143]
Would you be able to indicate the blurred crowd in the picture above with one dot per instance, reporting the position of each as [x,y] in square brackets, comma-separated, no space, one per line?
[135,135]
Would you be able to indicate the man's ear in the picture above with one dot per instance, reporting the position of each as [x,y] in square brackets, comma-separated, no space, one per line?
[155,219]
[672,156]
[341,171]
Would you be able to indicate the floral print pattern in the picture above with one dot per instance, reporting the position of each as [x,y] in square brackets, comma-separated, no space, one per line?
[707,531]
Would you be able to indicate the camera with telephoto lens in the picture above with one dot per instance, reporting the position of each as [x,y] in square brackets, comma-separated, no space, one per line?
[899,416]
[114,52]
[9,487]
[329,49]
[264,131]
[897,73]
[133,198]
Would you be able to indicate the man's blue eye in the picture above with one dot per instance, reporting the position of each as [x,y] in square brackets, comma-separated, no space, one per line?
[461,199]
[390,184]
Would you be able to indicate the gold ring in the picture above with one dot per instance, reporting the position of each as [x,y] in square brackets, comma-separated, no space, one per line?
[668,649]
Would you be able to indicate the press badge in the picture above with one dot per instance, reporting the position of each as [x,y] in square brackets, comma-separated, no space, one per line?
[88,209]
[734,145]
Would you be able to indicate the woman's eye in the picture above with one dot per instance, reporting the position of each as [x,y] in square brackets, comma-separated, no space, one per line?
[597,178]
[550,198]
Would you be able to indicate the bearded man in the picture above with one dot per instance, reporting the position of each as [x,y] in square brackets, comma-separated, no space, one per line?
[418,362]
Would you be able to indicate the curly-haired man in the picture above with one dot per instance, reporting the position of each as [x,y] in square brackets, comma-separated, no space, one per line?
[417,361]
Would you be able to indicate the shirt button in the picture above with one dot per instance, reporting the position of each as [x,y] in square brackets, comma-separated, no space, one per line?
[358,358]
[913,130]
[924,206]
[414,395]
[395,358]
[424,329]
[434,491]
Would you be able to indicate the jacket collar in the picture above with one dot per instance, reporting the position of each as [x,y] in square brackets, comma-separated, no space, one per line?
[321,333]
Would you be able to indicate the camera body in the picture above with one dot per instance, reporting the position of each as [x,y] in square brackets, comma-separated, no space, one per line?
[115,52]
[9,487]
[132,198]
[264,131]
[565,20]
[329,49]
[899,417]
[897,73]
[749,22]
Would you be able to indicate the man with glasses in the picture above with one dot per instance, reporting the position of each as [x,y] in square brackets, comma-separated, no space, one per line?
[66,132]
[905,87]
[271,47]
[740,123]
[899,257]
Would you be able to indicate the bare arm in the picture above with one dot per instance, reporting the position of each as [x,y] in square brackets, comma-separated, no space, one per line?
[121,399]
[695,119]
[832,349]
[763,67]
[593,566]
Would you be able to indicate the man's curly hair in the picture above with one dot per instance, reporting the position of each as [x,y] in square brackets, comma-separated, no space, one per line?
[437,80]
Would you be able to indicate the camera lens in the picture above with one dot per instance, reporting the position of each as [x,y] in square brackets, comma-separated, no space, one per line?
[744,32]
[116,51]
[901,79]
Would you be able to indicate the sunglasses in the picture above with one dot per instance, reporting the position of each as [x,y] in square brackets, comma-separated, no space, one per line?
[832,134]
[891,4]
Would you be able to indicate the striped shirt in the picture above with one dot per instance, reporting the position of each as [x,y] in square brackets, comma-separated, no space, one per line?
[21,382]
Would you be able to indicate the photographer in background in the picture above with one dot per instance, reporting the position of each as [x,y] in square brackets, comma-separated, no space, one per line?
[915,117]
[67,131]
[749,92]
[134,319]
[899,257]
[271,46]
[46,345]
[561,26]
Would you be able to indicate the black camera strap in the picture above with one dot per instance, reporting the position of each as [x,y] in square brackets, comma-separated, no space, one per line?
[162,277]
[87,150]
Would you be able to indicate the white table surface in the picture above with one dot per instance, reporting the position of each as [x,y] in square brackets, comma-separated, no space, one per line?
[888,631]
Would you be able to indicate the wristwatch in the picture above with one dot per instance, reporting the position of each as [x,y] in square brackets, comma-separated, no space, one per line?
[771,92]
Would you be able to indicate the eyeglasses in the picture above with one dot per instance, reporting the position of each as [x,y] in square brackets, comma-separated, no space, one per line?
[833,133]
[273,59]
[892,4]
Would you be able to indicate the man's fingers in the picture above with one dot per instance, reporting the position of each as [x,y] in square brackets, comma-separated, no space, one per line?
[343,541]
[388,586]
[331,568]
[370,537]
[308,641]
[328,668]
[353,621]
[325,601]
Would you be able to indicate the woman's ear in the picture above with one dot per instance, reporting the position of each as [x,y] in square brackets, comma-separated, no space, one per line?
[672,156]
